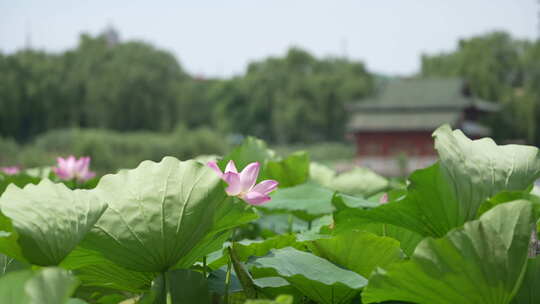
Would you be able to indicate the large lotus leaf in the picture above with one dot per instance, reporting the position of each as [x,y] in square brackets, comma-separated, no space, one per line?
[343,201]
[47,286]
[8,239]
[291,171]
[354,219]
[50,219]
[315,277]
[248,248]
[350,216]
[449,193]
[483,262]
[479,169]
[307,201]
[158,213]
[279,223]
[529,293]
[94,270]
[508,196]
[359,251]
[230,214]
[357,182]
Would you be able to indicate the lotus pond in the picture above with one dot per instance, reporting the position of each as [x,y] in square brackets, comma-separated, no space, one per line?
[255,227]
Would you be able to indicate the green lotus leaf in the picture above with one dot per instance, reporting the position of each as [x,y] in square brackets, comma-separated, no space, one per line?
[356,182]
[359,251]
[94,270]
[247,248]
[275,286]
[354,219]
[49,220]
[232,213]
[8,239]
[315,277]
[291,171]
[307,201]
[529,293]
[161,213]
[251,150]
[482,263]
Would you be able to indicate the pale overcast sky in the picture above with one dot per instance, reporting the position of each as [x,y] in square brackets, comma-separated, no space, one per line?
[219,38]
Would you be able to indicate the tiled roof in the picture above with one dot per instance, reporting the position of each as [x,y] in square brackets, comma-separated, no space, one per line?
[415,104]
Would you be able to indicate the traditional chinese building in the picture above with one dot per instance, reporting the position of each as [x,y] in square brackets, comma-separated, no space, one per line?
[401,118]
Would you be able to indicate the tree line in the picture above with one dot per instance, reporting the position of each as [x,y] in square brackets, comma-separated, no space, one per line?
[131,86]
[502,69]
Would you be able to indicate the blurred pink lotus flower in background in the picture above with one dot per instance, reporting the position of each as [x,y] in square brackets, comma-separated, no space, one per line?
[72,168]
[11,170]
[243,184]
[384,199]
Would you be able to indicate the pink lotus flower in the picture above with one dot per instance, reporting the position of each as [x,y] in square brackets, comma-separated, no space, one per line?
[72,168]
[243,184]
[384,199]
[11,170]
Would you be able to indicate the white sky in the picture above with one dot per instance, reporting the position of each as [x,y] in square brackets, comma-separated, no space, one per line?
[219,38]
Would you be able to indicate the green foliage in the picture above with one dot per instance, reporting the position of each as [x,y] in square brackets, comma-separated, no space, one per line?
[186,286]
[96,271]
[276,93]
[501,69]
[251,150]
[358,251]
[166,210]
[19,180]
[353,219]
[247,248]
[443,197]
[167,233]
[48,220]
[9,264]
[97,82]
[307,201]
[105,146]
[282,299]
[90,86]
[315,277]
[483,262]
[321,151]
[357,182]
[291,171]
[529,292]
[46,286]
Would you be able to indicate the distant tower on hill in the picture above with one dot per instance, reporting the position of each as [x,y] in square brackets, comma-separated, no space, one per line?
[111,36]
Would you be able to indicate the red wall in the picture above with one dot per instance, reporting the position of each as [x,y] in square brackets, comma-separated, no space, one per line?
[391,143]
